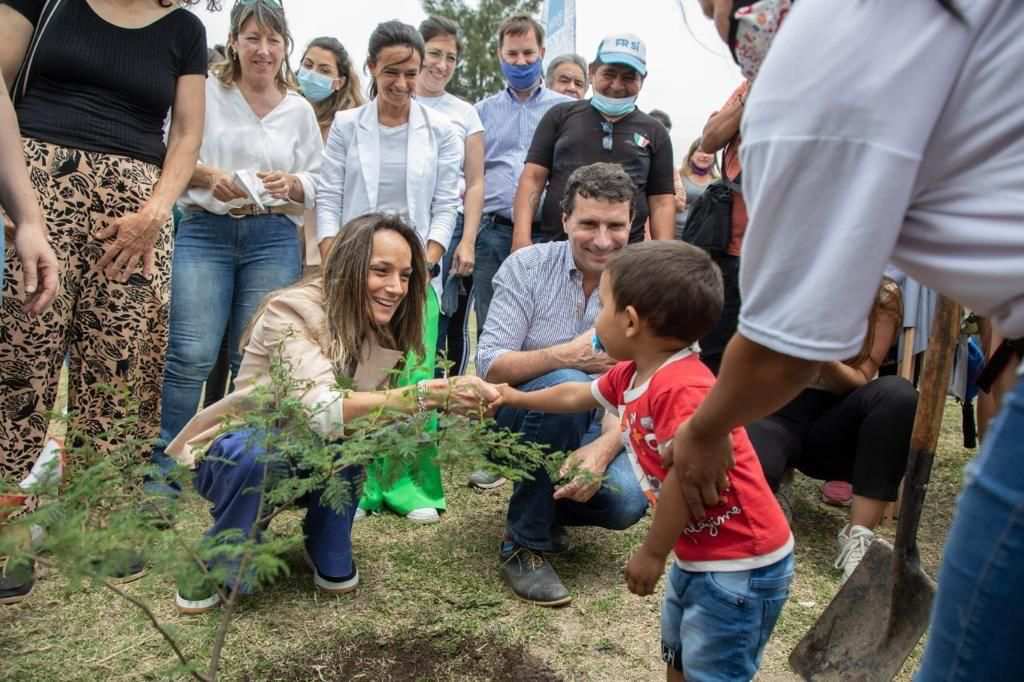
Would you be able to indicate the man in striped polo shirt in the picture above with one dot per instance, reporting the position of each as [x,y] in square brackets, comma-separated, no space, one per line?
[538,334]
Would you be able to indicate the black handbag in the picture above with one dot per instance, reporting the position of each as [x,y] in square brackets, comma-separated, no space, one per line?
[709,221]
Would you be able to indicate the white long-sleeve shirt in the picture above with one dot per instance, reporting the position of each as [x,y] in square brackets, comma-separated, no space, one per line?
[286,139]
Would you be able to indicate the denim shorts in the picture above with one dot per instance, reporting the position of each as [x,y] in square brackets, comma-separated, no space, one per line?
[714,625]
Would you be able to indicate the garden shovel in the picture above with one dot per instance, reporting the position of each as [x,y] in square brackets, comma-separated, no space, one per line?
[879,615]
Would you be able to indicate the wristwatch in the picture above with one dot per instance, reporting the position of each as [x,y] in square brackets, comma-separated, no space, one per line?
[433,269]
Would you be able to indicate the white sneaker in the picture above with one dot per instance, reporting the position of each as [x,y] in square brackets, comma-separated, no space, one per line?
[360,515]
[424,515]
[853,545]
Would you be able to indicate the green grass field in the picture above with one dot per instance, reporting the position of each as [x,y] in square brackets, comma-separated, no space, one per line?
[431,605]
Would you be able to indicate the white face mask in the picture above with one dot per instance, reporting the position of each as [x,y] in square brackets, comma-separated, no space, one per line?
[752,29]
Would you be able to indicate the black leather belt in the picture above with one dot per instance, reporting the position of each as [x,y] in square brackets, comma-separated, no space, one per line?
[499,219]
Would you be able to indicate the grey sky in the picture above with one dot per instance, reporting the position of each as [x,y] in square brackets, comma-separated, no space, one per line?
[687,78]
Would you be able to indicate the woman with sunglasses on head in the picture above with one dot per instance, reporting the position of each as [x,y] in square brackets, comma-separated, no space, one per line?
[443,42]
[328,79]
[239,238]
[93,82]
[396,155]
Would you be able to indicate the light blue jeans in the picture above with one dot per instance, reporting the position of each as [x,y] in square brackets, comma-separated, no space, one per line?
[977,629]
[223,268]
[714,625]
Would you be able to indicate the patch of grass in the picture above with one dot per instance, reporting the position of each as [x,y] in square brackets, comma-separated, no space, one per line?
[432,606]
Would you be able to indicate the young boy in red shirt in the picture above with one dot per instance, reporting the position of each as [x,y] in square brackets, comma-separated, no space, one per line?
[733,568]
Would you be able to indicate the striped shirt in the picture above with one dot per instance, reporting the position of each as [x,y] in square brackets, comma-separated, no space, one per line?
[510,125]
[538,303]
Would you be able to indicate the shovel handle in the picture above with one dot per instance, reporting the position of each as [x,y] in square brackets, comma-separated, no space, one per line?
[938,365]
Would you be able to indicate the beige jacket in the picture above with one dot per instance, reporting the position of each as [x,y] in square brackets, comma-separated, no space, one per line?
[294,322]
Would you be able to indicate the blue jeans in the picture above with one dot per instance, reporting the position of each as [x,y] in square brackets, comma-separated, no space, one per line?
[453,329]
[714,625]
[231,477]
[977,623]
[493,246]
[532,511]
[223,268]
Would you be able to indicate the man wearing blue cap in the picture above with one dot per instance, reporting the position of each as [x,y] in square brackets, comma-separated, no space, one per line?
[607,127]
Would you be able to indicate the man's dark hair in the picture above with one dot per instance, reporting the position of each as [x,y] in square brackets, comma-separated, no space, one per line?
[604,181]
[675,288]
[435,26]
[519,25]
[661,117]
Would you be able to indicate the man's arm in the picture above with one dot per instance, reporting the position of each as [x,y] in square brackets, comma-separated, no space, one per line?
[663,216]
[754,382]
[528,193]
[517,367]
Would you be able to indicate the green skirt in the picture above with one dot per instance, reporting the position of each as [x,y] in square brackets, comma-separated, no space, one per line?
[420,486]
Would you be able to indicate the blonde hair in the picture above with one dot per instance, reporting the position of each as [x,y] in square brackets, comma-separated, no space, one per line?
[268,17]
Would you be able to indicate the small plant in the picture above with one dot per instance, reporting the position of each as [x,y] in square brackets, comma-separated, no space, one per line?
[100,517]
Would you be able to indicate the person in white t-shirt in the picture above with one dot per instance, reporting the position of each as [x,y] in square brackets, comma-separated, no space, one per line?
[443,41]
[910,151]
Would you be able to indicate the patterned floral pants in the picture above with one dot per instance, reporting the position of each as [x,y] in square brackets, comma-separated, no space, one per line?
[113,334]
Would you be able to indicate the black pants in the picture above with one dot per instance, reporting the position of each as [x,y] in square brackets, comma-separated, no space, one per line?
[713,345]
[862,437]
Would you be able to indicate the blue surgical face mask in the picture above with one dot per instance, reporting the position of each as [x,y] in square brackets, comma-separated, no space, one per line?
[613,106]
[595,343]
[522,76]
[316,87]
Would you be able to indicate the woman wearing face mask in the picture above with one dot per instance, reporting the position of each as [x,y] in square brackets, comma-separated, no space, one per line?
[698,171]
[239,238]
[328,79]
[395,155]
[925,173]
[443,45]
[354,321]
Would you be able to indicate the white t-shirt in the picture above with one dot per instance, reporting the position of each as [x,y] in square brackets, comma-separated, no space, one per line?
[883,131]
[465,118]
[394,149]
[234,139]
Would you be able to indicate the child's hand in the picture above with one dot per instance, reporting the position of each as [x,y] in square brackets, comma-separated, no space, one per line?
[643,571]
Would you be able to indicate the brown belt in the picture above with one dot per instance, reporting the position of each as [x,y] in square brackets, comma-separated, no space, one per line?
[253,209]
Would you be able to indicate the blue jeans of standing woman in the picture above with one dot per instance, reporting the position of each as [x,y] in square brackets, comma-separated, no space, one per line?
[223,268]
[978,620]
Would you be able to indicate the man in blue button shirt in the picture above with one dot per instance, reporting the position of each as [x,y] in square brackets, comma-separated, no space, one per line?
[510,118]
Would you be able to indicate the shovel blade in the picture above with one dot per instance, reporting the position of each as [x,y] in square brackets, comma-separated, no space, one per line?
[871,625]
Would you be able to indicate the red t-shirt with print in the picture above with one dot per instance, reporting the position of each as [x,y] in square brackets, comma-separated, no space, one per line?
[747,529]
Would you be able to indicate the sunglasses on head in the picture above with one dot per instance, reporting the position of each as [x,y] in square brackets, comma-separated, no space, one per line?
[271,3]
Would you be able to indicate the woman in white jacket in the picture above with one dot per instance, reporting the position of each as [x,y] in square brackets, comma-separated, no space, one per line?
[395,155]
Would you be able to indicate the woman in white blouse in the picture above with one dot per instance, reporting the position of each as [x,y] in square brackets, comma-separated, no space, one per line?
[396,155]
[239,238]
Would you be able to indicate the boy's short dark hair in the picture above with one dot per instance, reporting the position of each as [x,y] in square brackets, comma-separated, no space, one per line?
[601,180]
[675,288]
[520,25]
